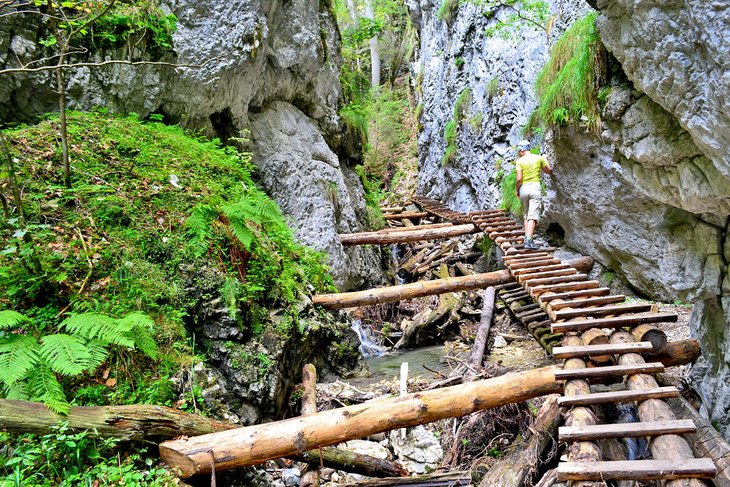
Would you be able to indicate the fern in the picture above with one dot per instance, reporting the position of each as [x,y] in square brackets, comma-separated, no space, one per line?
[66,354]
[138,327]
[18,356]
[10,319]
[98,352]
[98,326]
[199,229]
[44,387]
[18,391]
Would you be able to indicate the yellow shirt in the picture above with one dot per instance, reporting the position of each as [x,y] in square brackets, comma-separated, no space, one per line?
[531,164]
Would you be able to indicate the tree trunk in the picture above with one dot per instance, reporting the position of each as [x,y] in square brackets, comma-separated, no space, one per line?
[424,288]
[348,461]
[310,478]
[480,342]
[256,444]
[134,422]
[374,50]
[12,178]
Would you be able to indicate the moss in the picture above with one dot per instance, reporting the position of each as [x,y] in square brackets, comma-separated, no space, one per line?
[447,10]
[493,87]
[452,126]
[568,86]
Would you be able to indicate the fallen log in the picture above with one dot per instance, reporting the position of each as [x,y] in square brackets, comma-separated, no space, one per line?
[425,288]
[406,214]
[521,462]
[415,227]
[255,444]
[133,422]
[411,234]
[348,461]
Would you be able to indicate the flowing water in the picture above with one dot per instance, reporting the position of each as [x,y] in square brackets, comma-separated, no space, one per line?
[388,366]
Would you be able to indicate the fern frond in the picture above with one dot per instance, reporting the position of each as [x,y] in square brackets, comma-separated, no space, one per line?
[200,228]
[18,356]
[17,391]
[98,326]
[98,352]
[10,319]
[240,231]
[140,331]
[65,354]
[43,386]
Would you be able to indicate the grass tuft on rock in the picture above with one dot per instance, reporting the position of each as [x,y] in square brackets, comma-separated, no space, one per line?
[569,84]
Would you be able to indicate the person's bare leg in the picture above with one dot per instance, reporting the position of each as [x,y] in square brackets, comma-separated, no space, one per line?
[529,228]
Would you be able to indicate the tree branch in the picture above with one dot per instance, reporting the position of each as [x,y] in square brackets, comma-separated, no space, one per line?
[105,63]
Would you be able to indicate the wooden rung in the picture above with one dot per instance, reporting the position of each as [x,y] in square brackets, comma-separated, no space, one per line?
[581,303]
[512,297]
[617,322]
[538,268]
[532,263]
[568,286]
[603,349]
[618,396]
[598,291]
[532,315]
[569,434]
[555,280]
[523,251]
[638,469]
[526,308]
[567,314]
[508,259]
[569,271]
[609,371]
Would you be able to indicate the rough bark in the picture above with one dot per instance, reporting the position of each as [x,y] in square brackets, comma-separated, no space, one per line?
[310,478]
[412,234]
[480,342]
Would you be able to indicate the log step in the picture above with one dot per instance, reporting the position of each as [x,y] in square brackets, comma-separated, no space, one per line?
[581,303]
[523,310]
[568,286]
[551,296]
[625,430]
[509,259]
[555,280]
[618,396]
[534,269]
[523,251]
[638,470]
[598,350]
[531,263]
[609,371]
[617,322]
[534,276]
[567,314]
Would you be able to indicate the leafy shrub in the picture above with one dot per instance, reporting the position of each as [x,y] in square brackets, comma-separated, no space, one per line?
[568,86]
[452,126]
[510,201]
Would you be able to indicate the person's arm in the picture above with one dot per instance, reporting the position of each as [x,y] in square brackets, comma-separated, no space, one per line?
[547,169]
[518,180]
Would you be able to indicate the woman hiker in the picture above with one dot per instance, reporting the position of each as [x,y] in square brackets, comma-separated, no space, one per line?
[527,187]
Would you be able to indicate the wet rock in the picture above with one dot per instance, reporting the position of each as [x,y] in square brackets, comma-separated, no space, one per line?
[420,451]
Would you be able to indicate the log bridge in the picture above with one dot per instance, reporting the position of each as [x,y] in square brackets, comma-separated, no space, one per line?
[599,335]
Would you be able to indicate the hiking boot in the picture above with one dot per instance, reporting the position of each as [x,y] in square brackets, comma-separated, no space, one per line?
[530,244]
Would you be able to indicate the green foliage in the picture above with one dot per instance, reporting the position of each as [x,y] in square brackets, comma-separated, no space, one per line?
[459,62]
[519,14]
[447,10]
[568,87]
[451,128]
[373,196]
[475,122]
[67,459]
[29,360]
[493,87]
[510,201]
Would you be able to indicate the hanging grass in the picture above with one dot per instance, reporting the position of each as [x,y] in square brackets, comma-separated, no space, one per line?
[510,201]
[568,85]
[451,128]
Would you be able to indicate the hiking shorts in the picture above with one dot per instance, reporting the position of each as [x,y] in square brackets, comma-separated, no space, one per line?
[531,198]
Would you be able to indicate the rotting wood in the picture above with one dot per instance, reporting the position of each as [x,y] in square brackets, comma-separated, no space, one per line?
[405,236]
[521,462]
[133,422]
[480,342]
[255,444]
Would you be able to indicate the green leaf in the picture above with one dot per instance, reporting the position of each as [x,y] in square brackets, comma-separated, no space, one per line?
[65,354]
[102,327]
[10,319]
[18,355]
[43,386]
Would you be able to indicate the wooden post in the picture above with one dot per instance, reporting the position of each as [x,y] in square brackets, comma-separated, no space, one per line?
[480,342]
[255,444]
[309,406]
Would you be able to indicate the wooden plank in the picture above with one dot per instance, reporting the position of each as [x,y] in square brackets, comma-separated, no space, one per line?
[406,236]
[533,269]
[555,280]
[551,296]
[598,350]
[406,214]
[508,259]
[568,286]
[505,232]
[531,263]
[581,303]
[569,434]
[638,470]
[616,322]
[618,396]
[544,275]
[567,314]
[523,251]
[609,371]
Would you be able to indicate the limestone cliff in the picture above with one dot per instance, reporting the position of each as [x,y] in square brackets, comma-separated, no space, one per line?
[238,59]
[647,194]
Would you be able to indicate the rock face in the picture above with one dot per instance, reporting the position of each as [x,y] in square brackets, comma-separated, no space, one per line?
[241,57]
[648,194]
